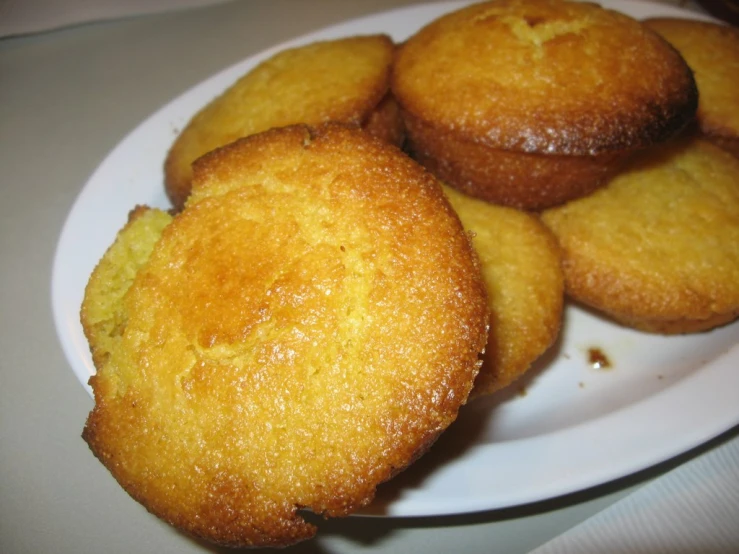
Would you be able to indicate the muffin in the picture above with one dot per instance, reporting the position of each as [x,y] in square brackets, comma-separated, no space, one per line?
[302,331]
[657,249]
[344,80]
[533,103]
[521,266]
[712,52]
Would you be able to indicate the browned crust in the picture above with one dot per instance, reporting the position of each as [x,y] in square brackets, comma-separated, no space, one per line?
[527,181]
[545,76]
[562,84]
[303,330]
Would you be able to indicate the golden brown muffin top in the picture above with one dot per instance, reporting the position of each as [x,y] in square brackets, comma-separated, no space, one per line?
[712,52]
[660,243]
[520,261]
[336,80]
[301,331]
[544,76]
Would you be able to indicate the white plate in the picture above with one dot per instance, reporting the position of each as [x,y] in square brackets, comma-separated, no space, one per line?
[575,426]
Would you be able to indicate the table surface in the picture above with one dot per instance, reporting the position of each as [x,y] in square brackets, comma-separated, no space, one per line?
[67,97]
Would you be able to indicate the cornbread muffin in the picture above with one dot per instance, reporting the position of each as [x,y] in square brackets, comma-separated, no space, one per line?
[658,247]
[712,52]
[344,80]
[302,331]
[521,265]
[530,103]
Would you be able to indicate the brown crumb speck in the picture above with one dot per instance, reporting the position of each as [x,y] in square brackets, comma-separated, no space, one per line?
[597,359]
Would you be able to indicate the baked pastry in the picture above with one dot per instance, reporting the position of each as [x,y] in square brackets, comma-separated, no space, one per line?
[658,248]
[712,52]
[344,80]
[521,265]
[530,103]
[303,330]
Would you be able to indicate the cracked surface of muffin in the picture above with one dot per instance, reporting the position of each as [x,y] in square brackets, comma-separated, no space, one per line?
[303,330]
[712,52]
[532,103]
[658,247]
[344,80]
[520,261]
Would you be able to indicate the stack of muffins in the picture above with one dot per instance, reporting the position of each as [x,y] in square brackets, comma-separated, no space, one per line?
[588,118]
[319,304]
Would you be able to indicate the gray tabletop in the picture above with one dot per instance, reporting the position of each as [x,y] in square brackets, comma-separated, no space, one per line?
[67,97]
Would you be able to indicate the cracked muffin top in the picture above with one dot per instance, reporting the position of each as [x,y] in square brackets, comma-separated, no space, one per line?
[545,76]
